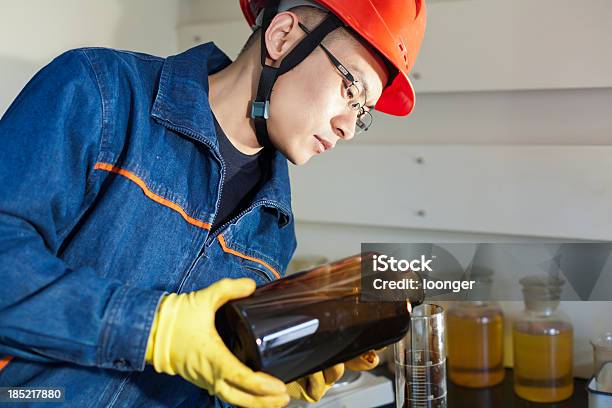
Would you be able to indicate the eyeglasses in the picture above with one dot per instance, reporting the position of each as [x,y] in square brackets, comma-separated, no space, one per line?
[356,97]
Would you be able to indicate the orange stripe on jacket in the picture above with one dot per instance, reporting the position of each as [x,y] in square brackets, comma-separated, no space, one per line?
[131,176]
[4,361]
[128,174]
[259,261]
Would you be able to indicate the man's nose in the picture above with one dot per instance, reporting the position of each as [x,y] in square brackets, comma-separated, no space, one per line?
[344,125]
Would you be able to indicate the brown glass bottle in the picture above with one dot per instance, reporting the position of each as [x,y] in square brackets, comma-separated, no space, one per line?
[312,320]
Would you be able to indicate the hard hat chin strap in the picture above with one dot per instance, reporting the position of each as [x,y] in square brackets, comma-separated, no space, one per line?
[260,106]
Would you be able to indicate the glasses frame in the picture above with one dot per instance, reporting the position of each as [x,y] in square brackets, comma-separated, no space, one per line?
[364,117]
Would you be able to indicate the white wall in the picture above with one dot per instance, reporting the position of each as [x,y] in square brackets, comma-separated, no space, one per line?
[526,117]
[546,191]
[33,32]
[208,11]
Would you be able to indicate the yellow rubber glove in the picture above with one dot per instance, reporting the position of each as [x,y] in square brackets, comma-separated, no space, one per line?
[184,341]
[364,362]
[314,386]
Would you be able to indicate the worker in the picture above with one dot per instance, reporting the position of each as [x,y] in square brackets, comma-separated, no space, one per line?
[139,194]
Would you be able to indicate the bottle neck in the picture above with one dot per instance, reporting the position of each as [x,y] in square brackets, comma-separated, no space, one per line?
[541,295]
[540,306]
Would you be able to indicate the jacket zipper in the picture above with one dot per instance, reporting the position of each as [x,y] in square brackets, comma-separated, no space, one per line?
[219,192]
[213,234]
[255,204]
[219,230]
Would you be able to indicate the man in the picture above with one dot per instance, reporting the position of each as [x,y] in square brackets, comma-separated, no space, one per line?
[131,185]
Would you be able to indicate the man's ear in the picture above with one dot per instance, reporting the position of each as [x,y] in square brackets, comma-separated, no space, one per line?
[281,36]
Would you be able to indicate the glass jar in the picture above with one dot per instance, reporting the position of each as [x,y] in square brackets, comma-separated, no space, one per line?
[602,356]
[543,343]
[475,344]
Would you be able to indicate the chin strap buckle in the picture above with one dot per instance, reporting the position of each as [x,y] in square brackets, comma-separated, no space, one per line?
[260,110]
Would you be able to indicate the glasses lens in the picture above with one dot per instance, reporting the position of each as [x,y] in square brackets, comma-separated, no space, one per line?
[357,97]
[364,121]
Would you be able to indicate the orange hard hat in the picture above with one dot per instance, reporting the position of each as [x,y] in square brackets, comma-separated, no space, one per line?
[394,28]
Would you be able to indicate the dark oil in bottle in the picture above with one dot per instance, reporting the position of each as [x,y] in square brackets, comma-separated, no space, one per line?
[312,320]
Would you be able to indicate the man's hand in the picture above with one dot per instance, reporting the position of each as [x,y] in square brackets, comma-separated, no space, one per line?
[184,341]
[364,362]
[314,386]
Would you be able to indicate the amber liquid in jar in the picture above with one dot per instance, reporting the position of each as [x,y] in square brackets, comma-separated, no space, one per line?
[543,361]
[475,345]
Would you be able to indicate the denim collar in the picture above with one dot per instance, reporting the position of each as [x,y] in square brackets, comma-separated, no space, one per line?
[182,105]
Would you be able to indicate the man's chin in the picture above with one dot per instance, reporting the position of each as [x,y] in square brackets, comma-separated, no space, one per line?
[296,159]
[301,160]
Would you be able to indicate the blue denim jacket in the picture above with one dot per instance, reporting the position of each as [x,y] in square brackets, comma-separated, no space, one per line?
[110,175]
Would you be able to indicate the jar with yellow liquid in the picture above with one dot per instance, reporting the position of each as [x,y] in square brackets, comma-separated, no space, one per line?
[475,338]
[543,343]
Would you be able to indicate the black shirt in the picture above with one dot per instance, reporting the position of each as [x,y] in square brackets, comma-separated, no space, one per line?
[244,174]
